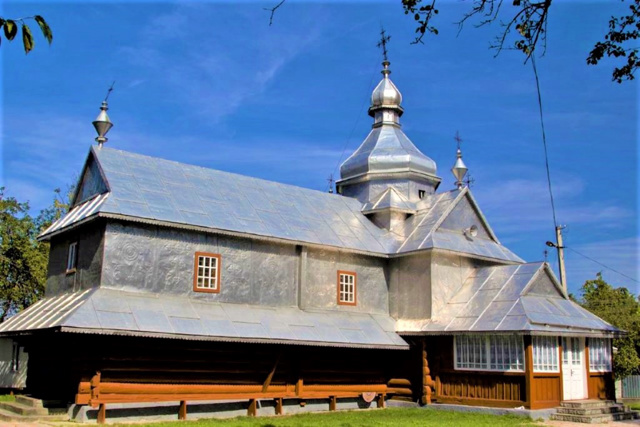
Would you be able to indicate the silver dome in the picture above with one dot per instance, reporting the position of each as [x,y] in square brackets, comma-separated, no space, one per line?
[386,94]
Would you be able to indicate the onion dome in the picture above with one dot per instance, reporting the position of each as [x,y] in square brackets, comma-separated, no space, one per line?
[387,150]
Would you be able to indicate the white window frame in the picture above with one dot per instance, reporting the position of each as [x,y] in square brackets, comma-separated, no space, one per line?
[206,274]
[600,355]
[72,257]
[546,354]
[347,287]
[477,352]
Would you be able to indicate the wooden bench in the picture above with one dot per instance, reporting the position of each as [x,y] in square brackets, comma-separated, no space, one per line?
[97,393]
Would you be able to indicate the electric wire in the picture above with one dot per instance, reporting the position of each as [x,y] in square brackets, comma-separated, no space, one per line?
[544,141]
[601,264]
[346,143]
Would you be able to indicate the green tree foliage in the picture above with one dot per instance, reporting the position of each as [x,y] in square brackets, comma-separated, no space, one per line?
[621,308]
[10,27]
[23,260]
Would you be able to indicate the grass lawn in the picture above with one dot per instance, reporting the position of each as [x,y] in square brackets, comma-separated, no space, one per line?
[386,417]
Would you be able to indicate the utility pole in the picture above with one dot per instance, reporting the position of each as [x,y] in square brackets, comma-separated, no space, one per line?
[560,247]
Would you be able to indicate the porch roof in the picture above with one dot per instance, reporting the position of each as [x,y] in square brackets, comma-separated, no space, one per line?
[524,298]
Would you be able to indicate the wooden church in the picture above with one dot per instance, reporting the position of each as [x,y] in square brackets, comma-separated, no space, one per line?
[169,282]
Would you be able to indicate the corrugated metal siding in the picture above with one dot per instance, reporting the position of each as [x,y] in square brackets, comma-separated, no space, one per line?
[631,386]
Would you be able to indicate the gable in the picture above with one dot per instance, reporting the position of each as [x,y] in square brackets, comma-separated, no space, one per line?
[91,182]
[463,216]
[543,285]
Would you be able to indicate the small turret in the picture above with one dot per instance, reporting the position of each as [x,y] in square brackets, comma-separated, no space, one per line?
[102,123]
[459,169]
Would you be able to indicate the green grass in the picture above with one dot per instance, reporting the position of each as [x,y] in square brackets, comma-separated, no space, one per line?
[388,417]
[7,398]
[635,406]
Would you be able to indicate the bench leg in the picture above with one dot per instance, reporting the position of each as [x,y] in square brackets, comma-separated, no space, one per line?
[332,403]
[380,402]
[182,412]
[102,414]
[279,406]
[253,408]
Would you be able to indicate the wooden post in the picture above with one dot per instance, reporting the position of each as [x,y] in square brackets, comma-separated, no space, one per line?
[332,403]
[102,414]
[267,382]
[380,402]
[528,370]
[182,412]
[299,386]
[253,408]
[279,406]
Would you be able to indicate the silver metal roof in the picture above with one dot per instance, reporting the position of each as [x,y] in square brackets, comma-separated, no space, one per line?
[107,311]
[164,192]
[390,199]
[514,298]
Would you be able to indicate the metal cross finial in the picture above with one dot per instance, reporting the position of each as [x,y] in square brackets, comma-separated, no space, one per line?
[330,180]
[109,91]
[383,43]
[469,180]
[458,139]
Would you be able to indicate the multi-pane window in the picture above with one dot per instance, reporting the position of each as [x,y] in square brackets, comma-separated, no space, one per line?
[545,354]
[72,256]
[346,288]
[489,352]
[600,354]
[206,277]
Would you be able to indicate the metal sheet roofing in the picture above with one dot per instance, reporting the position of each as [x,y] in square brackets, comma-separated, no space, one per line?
[161,191]
[110,311]
[512,298]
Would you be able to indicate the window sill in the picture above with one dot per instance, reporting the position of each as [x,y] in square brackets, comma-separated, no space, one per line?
[207,291]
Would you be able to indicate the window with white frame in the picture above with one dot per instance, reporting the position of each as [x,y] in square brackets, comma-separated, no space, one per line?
[206,277]
[600,354]
[72,257]
[346,288]
[489,352]
[545,354]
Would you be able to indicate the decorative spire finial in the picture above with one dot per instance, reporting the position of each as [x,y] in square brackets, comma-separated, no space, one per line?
[102,124]
[459,169]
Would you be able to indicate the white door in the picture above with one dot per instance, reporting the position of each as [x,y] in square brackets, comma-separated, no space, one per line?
[574,371]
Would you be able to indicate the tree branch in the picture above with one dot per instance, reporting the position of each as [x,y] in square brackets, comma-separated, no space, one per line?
[273,10]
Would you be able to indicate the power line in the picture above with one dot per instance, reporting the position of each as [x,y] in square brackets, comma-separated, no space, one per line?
[544,141]
[601,264]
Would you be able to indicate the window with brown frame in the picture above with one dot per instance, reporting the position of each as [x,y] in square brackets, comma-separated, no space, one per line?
[206,273]
[347,284]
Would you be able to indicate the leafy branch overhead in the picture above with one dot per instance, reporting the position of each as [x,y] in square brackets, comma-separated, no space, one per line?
[10,27]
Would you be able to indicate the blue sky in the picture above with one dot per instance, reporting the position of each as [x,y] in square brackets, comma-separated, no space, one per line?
[212,84]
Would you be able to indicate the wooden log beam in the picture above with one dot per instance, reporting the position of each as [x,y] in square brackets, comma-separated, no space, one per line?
[267,382]
[182,411]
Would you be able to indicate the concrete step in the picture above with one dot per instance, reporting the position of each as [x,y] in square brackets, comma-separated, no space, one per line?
[12,417]
[29,401]
[613,409]
[587,403]
[21,409]
[595,419]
